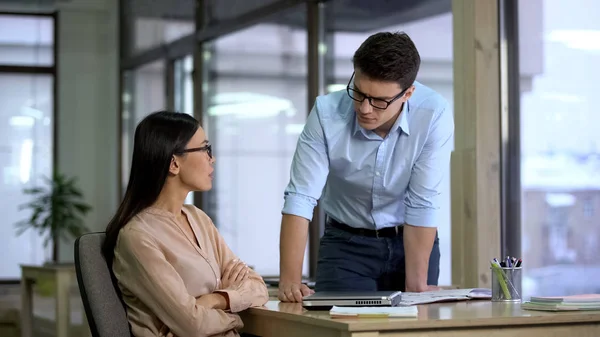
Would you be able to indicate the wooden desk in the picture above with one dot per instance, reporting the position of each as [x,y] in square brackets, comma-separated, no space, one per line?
[61,276]
[465,319]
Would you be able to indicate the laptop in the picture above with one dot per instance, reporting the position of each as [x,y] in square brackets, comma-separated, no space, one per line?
[326,299]
[273,281]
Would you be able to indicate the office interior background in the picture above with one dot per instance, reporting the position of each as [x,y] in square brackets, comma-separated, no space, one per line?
[77,76]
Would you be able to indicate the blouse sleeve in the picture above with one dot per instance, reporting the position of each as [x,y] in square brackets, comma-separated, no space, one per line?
[253,291]
[141,267]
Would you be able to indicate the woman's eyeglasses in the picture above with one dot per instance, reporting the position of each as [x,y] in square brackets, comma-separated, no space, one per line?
[207,148]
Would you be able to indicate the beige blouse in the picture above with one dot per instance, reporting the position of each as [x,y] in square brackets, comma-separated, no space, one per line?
[161,272]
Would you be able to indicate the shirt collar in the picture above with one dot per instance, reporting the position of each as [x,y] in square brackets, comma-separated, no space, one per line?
[401,123]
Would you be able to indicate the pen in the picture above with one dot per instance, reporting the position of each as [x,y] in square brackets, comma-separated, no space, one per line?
[503,270]
[496,267]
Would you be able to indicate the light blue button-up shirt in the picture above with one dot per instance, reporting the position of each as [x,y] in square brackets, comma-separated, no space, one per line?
[367,181]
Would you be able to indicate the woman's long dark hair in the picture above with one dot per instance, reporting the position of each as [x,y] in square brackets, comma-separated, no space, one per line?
[157,138]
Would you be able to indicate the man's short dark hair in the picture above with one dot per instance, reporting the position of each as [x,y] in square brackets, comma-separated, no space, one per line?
[389,57]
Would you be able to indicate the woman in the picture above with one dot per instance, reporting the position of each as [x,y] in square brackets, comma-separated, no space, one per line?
[176,274]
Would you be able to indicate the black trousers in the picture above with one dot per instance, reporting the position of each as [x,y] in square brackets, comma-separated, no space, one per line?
[351,262]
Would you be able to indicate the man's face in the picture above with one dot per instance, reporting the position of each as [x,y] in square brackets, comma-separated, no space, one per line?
[377,113]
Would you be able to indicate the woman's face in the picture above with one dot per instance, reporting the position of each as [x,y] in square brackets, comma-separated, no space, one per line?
[195,168]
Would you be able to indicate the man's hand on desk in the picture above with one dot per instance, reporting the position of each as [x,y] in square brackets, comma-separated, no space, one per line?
[418,242]
[293,292]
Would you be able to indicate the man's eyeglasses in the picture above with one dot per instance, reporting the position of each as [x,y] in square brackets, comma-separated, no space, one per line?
[207,148]
[375,102]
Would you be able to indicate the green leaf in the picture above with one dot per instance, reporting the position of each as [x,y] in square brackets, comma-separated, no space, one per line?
[35,190]
[22,227]
[56,209]
[46,241]
[82,208]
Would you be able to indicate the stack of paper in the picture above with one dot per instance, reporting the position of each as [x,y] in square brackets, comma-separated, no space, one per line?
[445,296]
[386,312]
[565,303]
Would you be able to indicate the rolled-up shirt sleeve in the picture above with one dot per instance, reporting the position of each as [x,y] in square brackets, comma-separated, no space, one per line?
[310,167]
[425,192]
[141,267]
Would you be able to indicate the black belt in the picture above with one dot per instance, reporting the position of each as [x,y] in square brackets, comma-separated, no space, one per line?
[388,232]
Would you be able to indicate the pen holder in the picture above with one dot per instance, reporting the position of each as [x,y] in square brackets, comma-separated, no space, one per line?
[506,284]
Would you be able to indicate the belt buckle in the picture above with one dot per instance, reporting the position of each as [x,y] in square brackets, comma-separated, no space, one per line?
[377,233]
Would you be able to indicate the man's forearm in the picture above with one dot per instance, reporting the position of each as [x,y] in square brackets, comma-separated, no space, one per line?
[418,242]
[292,244]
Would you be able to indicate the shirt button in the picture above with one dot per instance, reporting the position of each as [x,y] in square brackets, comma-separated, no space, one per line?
[377,174]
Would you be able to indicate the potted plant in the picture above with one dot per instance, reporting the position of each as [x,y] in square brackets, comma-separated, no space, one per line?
[57,211]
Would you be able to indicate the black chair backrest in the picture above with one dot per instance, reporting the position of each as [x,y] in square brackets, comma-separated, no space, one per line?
[101,297]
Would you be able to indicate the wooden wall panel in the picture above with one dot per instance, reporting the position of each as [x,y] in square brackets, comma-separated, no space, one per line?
[475,163]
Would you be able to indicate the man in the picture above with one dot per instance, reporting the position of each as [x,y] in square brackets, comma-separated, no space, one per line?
[379,152]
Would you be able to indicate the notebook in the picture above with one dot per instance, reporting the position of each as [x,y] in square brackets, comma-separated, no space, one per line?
[373,312]
[585,298]
[564,303]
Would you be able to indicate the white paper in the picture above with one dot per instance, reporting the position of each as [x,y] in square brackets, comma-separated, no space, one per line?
[443,295]
[411,311]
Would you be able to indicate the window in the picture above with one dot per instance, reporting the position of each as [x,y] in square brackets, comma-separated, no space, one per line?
[26,126]
[559,46]
[26,40]
[588,207]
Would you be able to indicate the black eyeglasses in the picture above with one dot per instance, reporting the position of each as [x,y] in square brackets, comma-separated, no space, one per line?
[207,148]
[375,102]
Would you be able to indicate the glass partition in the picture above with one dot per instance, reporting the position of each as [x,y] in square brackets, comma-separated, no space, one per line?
[218,11]
[152,23]
[144,92]
[257,105]
[184,93]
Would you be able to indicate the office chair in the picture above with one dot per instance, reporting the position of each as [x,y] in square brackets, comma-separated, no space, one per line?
[101,298]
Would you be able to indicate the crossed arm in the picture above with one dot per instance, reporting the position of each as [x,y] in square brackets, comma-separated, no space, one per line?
[144,271]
